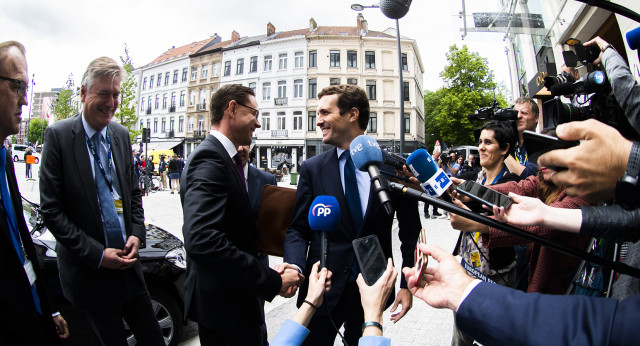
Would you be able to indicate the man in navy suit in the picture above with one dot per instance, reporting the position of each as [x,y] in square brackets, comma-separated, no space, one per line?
[343,114]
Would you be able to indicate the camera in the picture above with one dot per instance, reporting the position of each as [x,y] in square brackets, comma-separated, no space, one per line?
[562,78]
[445,158]
[494,112]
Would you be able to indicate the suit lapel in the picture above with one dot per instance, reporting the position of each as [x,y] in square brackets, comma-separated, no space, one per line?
[231,166]
[83,165]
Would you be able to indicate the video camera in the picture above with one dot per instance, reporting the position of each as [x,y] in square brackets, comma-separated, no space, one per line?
[494,112]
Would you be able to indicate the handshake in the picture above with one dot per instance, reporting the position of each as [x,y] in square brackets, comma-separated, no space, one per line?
[291,279]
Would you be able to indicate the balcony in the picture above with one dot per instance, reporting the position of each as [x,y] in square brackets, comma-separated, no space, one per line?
[172,108]
[280,101]
[199,134]
[149,110]
[202,106]
[279,133]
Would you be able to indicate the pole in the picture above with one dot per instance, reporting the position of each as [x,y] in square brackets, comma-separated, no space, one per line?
[402,125]
[30,105]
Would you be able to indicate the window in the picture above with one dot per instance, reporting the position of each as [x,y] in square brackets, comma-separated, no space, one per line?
[173,99]
[203,97]
[352,58]
[190,125]
[253,64]
[299,59]
[282,89]
[205,72]
[405,66]
[201,123]
[215,69]
[141,125]
[252,86]
[266,91]
[240,66]
[311,121]
[182,98]
[148,123]
[371,89]
[334,58]
[369,59]
[172,120]
[313,58]
[151,79]
[407,123]
[155,125]
[281,121]
[405,90]
[149,104]
[282,62]
[144,83]
[297,88]
[227,68]
[166,78]
[214,89]
[352,81]
[334,81]
[181,124]
[164,125]
[194,73]
[157,102]
[372,127]
[175,76]
[313,88]
[159,80]
[267,62]
[184,74]
[164,101]
[142,105]
[192,98]
[297,120]
[266,122]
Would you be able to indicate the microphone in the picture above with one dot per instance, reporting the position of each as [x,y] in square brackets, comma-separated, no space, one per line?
[562,89]
[590,83]
[633,39]
[324,216]
[433,179]
[366,155]
[395,9]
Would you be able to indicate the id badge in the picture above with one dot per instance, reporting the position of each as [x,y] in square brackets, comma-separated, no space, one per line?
[31,274]
[475,259]
[118,204]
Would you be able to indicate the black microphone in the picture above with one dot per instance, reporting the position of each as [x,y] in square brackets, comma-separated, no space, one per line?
[366,155]
[562,89]
[395,9]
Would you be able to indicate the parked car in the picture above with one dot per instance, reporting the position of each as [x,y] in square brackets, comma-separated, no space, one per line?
[17,152]
[164,266]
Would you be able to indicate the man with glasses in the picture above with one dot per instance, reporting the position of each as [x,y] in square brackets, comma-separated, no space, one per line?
[26,316]
[226,281]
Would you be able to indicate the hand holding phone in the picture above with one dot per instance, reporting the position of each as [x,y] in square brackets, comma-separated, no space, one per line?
[370,258]
[420,259]
[484,194]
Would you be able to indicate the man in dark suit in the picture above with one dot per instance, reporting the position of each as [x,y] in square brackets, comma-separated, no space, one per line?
[225,279]
[91,202]
[26,312]
[343,114]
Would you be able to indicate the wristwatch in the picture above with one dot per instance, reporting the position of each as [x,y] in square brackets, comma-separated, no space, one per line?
[627,187]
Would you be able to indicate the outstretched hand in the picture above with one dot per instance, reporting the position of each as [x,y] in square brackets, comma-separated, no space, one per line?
[524,211]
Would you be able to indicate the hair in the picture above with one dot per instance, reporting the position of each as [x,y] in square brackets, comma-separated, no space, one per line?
[503,133]
[350,96]
[549,192]
[4,47]
[102,67]
[527,99]
[227,93]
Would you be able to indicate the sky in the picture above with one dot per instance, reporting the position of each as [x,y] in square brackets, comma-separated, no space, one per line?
[63,36]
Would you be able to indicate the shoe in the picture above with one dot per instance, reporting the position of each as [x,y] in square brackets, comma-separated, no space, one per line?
[443,216]
[435,215]
[172,192]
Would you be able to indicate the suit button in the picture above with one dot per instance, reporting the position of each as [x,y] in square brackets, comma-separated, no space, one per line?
[345,269]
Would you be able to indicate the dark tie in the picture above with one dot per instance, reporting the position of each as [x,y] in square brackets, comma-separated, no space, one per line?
[9,214]
[351,192]
[240,168]
[110,219]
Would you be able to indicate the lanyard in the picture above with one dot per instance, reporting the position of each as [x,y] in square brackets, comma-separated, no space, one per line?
[522,159]
[96,157]
[502,172]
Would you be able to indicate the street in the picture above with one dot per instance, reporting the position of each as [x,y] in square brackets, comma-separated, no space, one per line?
[422,325]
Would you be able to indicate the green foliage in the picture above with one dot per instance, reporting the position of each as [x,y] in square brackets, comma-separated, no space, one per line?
[36,130]
[65,106]
[468,85]
[14,139]
[126,112]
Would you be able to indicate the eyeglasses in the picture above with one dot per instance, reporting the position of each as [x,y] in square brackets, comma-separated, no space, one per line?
[22,86]
[256,112]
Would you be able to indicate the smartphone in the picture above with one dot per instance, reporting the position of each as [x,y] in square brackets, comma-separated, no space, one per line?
[484,194]
[538,144]
[370,258]
[419,258]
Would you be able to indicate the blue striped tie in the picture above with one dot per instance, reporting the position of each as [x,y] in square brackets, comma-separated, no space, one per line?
[110,219]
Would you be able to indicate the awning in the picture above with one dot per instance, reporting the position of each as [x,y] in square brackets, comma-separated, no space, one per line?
[162,145]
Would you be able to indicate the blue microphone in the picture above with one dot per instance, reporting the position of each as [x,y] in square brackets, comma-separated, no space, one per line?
[324,216]
[633,38]
[432,178]
[367,156]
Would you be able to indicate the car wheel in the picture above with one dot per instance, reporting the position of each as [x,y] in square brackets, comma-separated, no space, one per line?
[15,158]
[168,315]
[37,160]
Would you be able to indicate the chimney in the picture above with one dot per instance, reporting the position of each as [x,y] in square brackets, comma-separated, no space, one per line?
[235,36]
[362,25]
[312,24]
[360,19]
[270,29]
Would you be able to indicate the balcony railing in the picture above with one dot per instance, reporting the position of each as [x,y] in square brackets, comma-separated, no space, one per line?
[199,134]
[170,134]
[279,133]
[202,106]
[172,108]
[149,110]
[280,101]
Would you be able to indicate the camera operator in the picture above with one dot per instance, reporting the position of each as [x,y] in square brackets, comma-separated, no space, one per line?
[528,113]
[449,164]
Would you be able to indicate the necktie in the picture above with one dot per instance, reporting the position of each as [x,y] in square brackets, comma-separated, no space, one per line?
[110,219]
[240,168]
[9,214]
[351,192]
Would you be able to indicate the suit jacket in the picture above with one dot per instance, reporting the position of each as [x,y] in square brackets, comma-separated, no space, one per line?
[320,175]
[225,280]
[257,179]
[19,319]
[70,206]
[497,315]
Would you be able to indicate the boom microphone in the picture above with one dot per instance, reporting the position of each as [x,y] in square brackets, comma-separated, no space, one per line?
[366,155]
[395,9]
[433,179]
[324,216]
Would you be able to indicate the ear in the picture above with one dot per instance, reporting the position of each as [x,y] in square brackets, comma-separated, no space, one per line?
[354,114]
[231,107]
[507,150]
[83,93]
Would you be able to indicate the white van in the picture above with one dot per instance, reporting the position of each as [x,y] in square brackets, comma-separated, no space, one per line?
[17,152]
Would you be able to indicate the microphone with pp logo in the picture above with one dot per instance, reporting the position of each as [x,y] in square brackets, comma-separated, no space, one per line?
[324,216]
[433,179]
[366,155]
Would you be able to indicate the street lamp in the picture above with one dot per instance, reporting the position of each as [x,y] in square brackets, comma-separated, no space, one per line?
[358,7]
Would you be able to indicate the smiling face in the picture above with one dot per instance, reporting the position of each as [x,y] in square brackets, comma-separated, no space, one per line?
[13,65]
[490,153]
[101,101]
[336,129]
[243,121]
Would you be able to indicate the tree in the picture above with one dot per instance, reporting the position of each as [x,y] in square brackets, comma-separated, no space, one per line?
[468,85]
[36,130]
[65,106]
[126,112]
